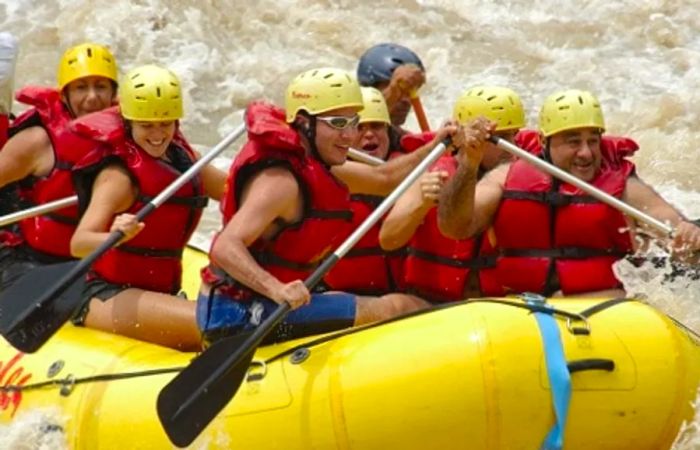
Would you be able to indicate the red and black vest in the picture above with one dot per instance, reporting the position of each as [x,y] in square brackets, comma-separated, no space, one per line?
[50,233]
[551,235]
[367,269]
[436,267]
[152,260]
[298,248]
[4,128]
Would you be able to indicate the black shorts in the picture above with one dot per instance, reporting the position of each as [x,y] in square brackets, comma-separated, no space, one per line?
[98,288]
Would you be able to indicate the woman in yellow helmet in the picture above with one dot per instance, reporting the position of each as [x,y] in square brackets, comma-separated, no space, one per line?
[36,161]
[435,267]
[131,289]
[552,238]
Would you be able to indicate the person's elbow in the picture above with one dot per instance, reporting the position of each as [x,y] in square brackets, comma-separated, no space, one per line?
[77,249]
[388,240]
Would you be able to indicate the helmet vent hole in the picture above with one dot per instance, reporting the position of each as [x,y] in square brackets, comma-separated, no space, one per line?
[89,52]
[580,100]
[138,86]
[158,91]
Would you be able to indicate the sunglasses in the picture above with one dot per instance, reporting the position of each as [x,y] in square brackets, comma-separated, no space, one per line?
[340,122]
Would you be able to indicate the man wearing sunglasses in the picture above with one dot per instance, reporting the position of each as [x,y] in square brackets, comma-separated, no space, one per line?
[288,206]
[437,268]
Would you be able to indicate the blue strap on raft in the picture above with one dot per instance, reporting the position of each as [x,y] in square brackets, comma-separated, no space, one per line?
[557,372]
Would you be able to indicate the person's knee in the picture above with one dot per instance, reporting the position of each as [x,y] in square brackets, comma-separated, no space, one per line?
[404,303]
[372,309]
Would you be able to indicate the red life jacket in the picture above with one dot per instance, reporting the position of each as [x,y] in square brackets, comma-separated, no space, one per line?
[152,259]
[436,267]
[366,268]
[50,233]
[4,128]
[298,248]
[547,228]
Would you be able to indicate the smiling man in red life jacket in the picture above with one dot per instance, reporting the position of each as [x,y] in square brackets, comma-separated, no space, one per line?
[41,152]
[287,206]
[552,239]
[435,267]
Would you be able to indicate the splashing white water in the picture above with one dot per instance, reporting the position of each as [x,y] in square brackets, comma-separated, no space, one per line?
[34,430]
[642,58]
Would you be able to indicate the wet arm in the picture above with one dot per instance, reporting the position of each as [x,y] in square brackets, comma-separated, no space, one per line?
[270,195]
[467,207]
[112,193]
[214,180]
[22,155]
[381,180]
[404,218]
[643,197]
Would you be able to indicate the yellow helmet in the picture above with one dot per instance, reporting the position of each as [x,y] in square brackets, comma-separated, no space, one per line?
[85,60]
[319,90]
[375,109]
[568,110]
[498,104]
[151,94]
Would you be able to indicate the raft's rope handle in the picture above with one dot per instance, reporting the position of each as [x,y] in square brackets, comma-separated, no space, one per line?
[70,381]
[120,376]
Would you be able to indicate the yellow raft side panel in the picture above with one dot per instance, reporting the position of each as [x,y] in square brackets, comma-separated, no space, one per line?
[469,376]
[192,262]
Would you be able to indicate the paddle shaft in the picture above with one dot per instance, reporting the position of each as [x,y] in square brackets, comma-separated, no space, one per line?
[586,187]
[237,361]
[38,210]
[84,264]
[420,112]
[362,157]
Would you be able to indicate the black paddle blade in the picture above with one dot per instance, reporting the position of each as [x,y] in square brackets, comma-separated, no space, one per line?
[32,309]
[195,396]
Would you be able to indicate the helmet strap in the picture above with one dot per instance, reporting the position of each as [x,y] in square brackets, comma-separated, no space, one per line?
[546,153]
[308,130]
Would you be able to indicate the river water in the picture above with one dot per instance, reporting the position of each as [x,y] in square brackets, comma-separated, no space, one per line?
[641,57]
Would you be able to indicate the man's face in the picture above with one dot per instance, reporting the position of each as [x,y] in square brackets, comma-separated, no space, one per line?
[398,112]
[577,152]
[333,141]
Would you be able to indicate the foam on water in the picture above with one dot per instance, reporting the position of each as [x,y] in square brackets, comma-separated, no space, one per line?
[641,57]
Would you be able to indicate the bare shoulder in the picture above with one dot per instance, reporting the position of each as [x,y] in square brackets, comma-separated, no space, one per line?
[30,141]
[275,183]
[114,186]
[496,176]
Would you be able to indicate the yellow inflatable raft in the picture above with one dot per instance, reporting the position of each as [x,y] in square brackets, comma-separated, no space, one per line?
[469,375]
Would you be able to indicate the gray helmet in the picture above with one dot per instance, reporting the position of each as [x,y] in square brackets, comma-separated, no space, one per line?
[378,63]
